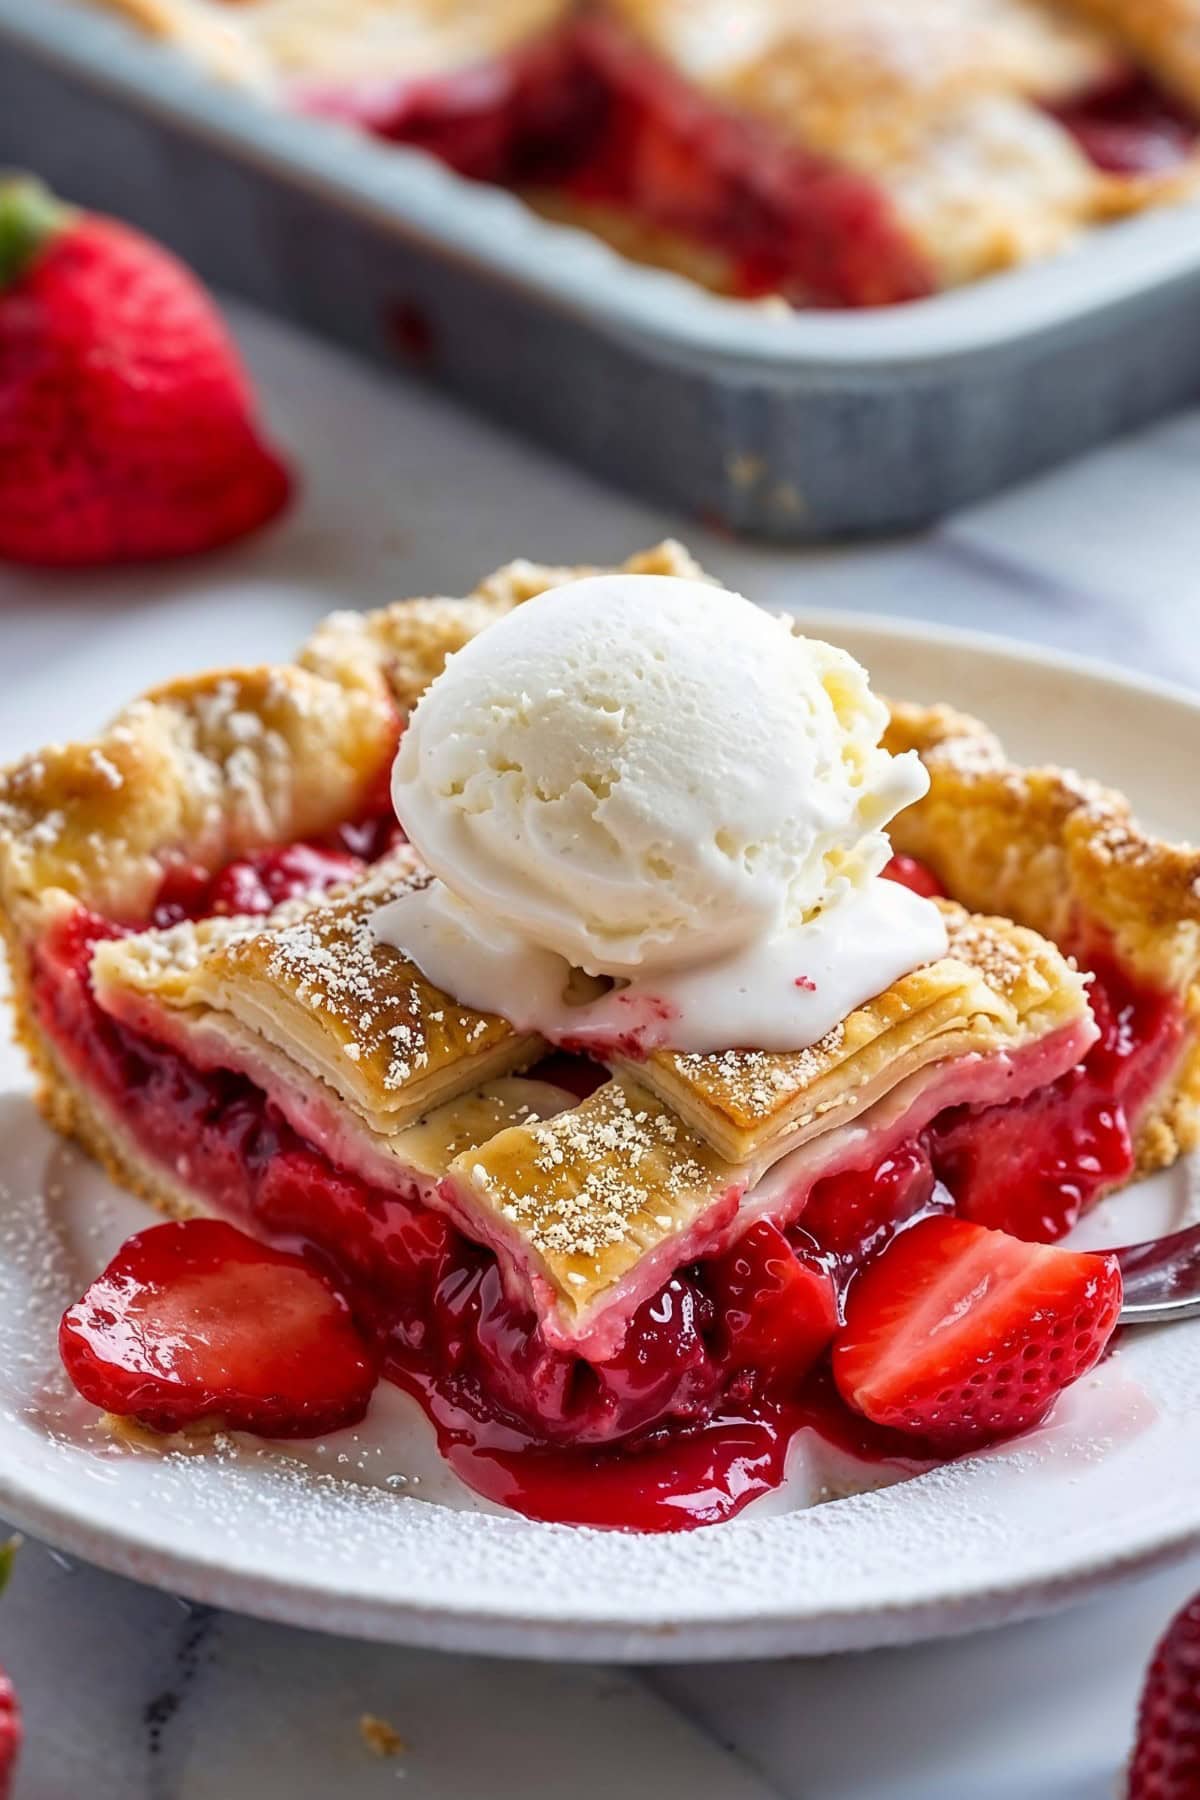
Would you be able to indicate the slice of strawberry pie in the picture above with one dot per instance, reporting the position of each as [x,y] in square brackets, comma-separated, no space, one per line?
[604,1242]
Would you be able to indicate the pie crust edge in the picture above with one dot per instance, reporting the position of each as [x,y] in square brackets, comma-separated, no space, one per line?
[1064,855]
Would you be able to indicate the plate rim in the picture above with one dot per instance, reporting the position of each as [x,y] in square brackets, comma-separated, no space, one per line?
[207,1581]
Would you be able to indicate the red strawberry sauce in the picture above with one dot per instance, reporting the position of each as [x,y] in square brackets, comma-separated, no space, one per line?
[694,1416]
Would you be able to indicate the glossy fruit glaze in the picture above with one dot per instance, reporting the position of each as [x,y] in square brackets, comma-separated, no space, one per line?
[1035,1167]
[588,113]
[692,1419]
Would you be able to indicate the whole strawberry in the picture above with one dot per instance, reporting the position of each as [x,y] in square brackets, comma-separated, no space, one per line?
[10,1712]
[126,421]
[1166,1760]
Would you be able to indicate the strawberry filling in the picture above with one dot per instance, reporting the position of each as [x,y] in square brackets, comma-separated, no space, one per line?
[691,1418]
[589,114]
[1035,1167]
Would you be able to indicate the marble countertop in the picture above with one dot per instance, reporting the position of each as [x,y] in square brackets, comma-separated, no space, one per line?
[133,1695]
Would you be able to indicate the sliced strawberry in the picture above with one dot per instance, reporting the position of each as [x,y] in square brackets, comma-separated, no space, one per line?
[778,1309]
[1166,1758]
[958,1334]
[195,1320]
[910,873]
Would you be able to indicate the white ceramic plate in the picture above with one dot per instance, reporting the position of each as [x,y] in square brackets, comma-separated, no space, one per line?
[368,1534]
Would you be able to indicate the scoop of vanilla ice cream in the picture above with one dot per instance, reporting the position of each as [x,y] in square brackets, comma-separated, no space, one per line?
[640,773]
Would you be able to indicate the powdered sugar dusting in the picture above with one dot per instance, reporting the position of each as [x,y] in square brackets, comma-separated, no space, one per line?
[578,1184]
[386,1017]
[330,962]
[756,1083]
[994,953]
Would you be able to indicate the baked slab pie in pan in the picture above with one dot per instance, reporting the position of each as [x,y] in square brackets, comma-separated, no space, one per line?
[854,154]
[563,1252]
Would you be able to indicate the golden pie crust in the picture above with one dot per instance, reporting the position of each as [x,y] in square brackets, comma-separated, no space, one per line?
[583,1200]
[393,1076]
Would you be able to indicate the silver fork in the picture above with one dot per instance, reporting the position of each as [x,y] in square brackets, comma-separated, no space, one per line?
[1162,1278]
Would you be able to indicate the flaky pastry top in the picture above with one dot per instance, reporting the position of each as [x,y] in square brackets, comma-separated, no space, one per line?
[998,988]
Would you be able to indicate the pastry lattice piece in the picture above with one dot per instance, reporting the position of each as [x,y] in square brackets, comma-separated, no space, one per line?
[308,1004]
[998,988]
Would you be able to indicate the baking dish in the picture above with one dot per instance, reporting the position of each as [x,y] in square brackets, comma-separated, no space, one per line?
[786,425]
